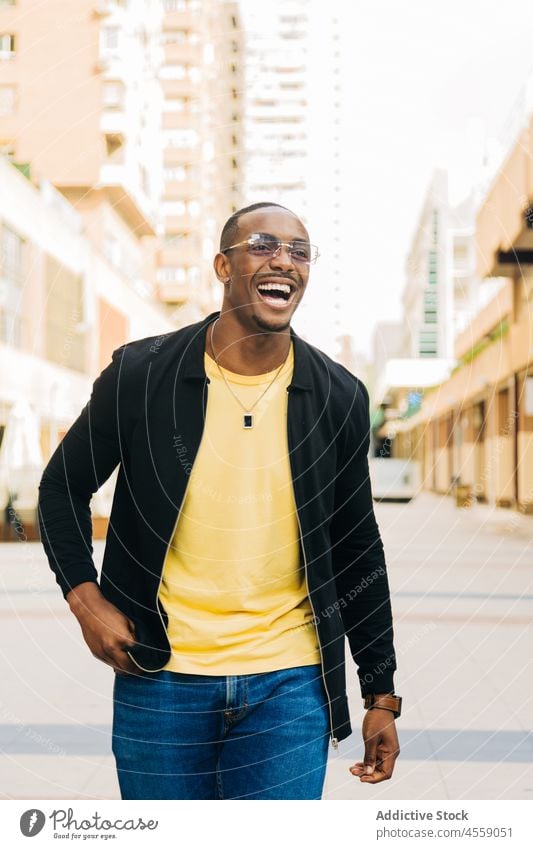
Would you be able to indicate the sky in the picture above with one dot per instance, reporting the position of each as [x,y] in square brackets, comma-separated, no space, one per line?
[425,84]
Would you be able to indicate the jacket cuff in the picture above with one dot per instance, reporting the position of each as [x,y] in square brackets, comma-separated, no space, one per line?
[370,684]
[75,575]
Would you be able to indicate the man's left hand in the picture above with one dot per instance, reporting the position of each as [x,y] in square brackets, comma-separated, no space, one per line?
[381,747]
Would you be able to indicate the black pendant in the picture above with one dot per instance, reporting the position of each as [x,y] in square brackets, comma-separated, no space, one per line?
[248,420]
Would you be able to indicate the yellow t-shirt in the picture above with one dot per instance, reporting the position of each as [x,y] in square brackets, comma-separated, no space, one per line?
[233,581]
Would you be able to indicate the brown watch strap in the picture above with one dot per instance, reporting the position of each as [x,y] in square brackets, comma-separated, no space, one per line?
[391,702]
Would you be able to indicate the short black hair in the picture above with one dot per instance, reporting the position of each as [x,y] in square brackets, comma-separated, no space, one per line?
[229,230]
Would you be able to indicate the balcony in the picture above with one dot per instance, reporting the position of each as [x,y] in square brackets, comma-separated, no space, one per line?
[182,253]
[180,120]
[183,54]
[178,88]
[113,121]
[175,293]
[181,190]
[185,19]
[180,223]
[181,156]
[504,227]
[128,198]
[497,310]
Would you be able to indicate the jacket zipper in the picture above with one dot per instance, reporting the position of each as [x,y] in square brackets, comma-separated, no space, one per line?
[334,741]
[160,668]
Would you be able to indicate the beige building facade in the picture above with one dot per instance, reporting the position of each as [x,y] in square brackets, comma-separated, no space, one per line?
[63,310]
[476,428]
[132,109]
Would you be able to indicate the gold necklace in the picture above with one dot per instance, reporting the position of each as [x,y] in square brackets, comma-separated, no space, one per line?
[248,418]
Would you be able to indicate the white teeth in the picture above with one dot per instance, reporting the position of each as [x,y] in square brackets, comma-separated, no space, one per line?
[280,287]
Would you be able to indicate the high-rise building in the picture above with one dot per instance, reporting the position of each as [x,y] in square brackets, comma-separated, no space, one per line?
[295,143]
[442,292]
[132,109]
[202,147]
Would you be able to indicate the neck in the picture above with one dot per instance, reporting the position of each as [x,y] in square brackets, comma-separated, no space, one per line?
[243,351]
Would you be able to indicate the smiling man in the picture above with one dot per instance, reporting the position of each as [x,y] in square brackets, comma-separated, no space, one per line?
[242,545]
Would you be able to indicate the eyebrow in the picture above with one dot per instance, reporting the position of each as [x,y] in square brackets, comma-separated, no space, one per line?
[272,236]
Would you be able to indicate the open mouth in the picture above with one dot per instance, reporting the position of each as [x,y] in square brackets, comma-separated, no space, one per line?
[277,294]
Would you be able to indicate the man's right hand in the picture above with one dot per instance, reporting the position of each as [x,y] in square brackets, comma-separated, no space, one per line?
[106,630]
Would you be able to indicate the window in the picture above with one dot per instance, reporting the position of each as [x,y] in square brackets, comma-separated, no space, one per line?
[176,104]
[181,139]
[193,275]
[170,274]
[174,5]
[8,100]
[435,226]
[505,419]
[7,45]
[111,249]
[432,263]
[173,72]
[12,274]
[427,346]
[113,144]
[113,94]
[110,38]
[65,343]
[176,173]
[175,207]
[430,307]
[175,36]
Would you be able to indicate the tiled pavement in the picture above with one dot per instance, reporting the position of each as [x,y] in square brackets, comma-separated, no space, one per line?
[462,584]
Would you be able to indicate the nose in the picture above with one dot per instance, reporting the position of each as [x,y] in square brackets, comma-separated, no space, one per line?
[282,260]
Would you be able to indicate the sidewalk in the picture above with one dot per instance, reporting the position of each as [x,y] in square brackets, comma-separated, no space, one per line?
[462,589]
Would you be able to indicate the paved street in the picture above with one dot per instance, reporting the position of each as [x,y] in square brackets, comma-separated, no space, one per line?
[463,601]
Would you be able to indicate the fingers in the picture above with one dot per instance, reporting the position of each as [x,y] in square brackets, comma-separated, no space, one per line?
[117,658]
[383,768]
[371,747]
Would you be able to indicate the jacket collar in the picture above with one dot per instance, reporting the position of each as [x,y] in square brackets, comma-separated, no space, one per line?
[192,363]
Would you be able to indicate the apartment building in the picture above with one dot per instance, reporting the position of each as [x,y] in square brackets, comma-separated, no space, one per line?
[296,147]
[63,310]
[80,117]
[202,84]
[131,108]
[476,427]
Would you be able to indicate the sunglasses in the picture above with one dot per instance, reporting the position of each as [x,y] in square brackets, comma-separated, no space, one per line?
[264,244]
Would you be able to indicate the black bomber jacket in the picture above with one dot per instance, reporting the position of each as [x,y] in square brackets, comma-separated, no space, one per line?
[146,414]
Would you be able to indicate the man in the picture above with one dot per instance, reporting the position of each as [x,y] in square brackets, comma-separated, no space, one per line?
[242,544]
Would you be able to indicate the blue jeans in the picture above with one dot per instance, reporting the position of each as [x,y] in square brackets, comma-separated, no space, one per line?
[260,736]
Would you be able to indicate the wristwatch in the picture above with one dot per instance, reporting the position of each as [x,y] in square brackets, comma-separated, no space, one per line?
[389,702]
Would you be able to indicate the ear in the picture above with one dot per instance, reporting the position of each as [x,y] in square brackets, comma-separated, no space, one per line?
[222,267]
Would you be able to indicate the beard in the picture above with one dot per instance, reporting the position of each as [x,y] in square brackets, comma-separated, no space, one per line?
[268,326]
